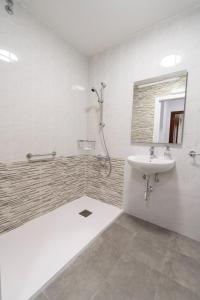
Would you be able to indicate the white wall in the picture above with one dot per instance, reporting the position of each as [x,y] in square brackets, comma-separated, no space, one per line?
[175,201]
[39,110]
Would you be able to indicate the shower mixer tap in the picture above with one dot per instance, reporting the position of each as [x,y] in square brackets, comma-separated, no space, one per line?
[152,152]
[102,124]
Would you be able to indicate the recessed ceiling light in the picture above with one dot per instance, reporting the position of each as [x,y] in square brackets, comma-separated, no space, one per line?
[7,56]
[171,60]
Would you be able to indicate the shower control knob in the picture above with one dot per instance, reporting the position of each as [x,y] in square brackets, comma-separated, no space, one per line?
[102,124]
[193,153]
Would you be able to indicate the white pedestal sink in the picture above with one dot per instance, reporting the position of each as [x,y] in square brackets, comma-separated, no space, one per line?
[150,166]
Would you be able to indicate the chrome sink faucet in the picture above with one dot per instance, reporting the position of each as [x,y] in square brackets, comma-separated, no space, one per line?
[152,151]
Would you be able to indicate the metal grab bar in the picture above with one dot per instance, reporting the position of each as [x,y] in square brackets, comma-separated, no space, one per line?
[29,156]
[193,153]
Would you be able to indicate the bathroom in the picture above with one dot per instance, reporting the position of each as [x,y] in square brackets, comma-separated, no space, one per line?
[100,150]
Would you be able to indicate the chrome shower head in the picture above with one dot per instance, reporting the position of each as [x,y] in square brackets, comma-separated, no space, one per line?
[94,90]
[100,97]
[9,7]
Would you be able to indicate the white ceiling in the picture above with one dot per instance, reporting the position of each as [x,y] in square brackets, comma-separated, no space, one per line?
[95,25]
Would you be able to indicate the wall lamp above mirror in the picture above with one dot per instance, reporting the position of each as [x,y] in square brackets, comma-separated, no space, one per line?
[159,109]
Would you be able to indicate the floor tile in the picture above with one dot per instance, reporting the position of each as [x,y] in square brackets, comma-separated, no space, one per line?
[118,236]
[146,252]
[158,236]
[135,278]
[170,290]
[79,281]
[187,246]
[102,255]
[184,270]
[107,292]
[129,222]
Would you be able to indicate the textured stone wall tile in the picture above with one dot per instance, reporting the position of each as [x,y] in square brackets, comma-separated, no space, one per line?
[29,190]
[107,189]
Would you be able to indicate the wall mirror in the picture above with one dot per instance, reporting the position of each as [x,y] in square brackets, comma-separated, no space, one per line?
[158,109]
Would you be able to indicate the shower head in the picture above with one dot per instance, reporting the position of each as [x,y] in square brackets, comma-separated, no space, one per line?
[94,90]
[9,6]
[100,97]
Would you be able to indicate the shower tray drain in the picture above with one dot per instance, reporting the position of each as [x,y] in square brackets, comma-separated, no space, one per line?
[85,213]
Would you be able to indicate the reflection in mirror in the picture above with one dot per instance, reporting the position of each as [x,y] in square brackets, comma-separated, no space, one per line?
[158,109]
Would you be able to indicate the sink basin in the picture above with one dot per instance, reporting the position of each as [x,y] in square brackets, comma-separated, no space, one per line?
[149,166]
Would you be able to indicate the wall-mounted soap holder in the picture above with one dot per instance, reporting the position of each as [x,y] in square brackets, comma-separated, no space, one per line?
[86,146]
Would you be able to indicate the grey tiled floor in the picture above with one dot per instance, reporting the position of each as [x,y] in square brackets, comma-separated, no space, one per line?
[131,260]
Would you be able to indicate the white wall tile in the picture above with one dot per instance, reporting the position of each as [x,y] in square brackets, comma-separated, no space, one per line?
[39,111]
[174,201]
